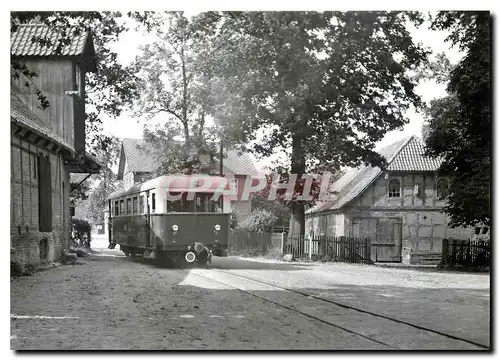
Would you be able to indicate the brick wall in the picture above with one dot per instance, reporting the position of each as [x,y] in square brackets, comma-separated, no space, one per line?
[24,234]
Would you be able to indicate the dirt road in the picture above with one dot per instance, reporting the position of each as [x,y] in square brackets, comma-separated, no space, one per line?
[112,302]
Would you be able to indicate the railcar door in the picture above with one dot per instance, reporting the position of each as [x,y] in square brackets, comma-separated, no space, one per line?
[147,223]
[111,240]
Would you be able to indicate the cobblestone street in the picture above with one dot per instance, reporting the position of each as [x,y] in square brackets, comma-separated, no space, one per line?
[113,302]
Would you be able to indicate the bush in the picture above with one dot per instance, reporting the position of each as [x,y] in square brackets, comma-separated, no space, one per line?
[233,221]
[18,269]
[258,220]
[80,234]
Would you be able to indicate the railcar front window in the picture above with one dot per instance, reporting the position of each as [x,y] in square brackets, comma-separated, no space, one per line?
[141,204]
[116,208]
[153,202]
[174,204]
[184,204]
[122,207]
[188,205]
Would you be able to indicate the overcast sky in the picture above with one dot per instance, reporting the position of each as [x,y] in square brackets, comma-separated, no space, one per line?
[127,126]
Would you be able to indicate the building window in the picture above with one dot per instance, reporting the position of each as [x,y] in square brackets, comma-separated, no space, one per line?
[141,204]
[122,207]
[153,202]
[442,188]
[394,188]
[134,205]
[129,206]
[45,195]
[116,208]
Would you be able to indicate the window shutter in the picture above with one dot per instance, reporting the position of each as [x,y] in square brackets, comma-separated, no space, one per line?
[44,195]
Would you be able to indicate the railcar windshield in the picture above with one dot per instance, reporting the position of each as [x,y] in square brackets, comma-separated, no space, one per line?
[195,203]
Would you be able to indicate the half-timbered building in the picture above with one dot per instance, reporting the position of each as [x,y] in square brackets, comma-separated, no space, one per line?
[47,145]
[400,209]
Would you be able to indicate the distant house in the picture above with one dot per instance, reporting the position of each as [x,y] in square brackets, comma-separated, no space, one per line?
[136,165]
[399,209]
[46,145]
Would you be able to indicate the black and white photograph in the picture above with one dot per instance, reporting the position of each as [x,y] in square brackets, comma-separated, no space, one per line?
[250,180]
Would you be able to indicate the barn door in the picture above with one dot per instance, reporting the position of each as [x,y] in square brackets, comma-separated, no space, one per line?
[44,195]
[387,244]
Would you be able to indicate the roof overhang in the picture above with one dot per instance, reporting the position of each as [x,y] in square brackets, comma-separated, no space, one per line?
[39,139]
[83,163]
[76,184]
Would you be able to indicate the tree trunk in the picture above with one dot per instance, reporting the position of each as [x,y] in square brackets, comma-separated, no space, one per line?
[298,166]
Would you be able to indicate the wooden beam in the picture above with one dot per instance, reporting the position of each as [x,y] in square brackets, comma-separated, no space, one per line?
[22,132]
[33,138]
[49,145]
[40,142]
[14,129]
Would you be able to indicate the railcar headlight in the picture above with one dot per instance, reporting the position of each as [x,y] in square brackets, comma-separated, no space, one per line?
[175,227]
[217,227]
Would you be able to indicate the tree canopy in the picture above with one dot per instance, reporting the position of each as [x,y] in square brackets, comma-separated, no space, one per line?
[93,205]
[459,128]
[175,80]
[329,85]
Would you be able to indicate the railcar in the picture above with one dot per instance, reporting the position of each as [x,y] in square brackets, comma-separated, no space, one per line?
[172,219]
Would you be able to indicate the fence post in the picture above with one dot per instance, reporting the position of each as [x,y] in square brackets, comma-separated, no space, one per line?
[368,252]
[454,252]
[444,251]
[342,248]
[310,247]
[283,250]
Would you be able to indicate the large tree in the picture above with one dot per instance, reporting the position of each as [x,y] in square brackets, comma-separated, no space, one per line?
[459,128]
[327,85]
[175,82]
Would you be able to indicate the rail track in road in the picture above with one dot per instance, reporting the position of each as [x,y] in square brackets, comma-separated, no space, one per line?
[420,330]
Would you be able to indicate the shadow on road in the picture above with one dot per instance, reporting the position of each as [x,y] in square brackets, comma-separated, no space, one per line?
[228,263]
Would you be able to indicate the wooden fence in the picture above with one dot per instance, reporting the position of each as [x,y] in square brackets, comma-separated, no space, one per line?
[253,243]
[465,253]
[329,248]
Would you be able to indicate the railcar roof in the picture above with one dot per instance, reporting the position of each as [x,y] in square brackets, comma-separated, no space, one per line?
[177,183]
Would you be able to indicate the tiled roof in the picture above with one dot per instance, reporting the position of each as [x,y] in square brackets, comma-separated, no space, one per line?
[140,159]
[411,158]
[20,113]
[403,155]
[238,163]
[21,43]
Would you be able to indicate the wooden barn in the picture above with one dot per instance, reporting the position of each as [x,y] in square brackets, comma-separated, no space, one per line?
[400,209]
[46,145]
